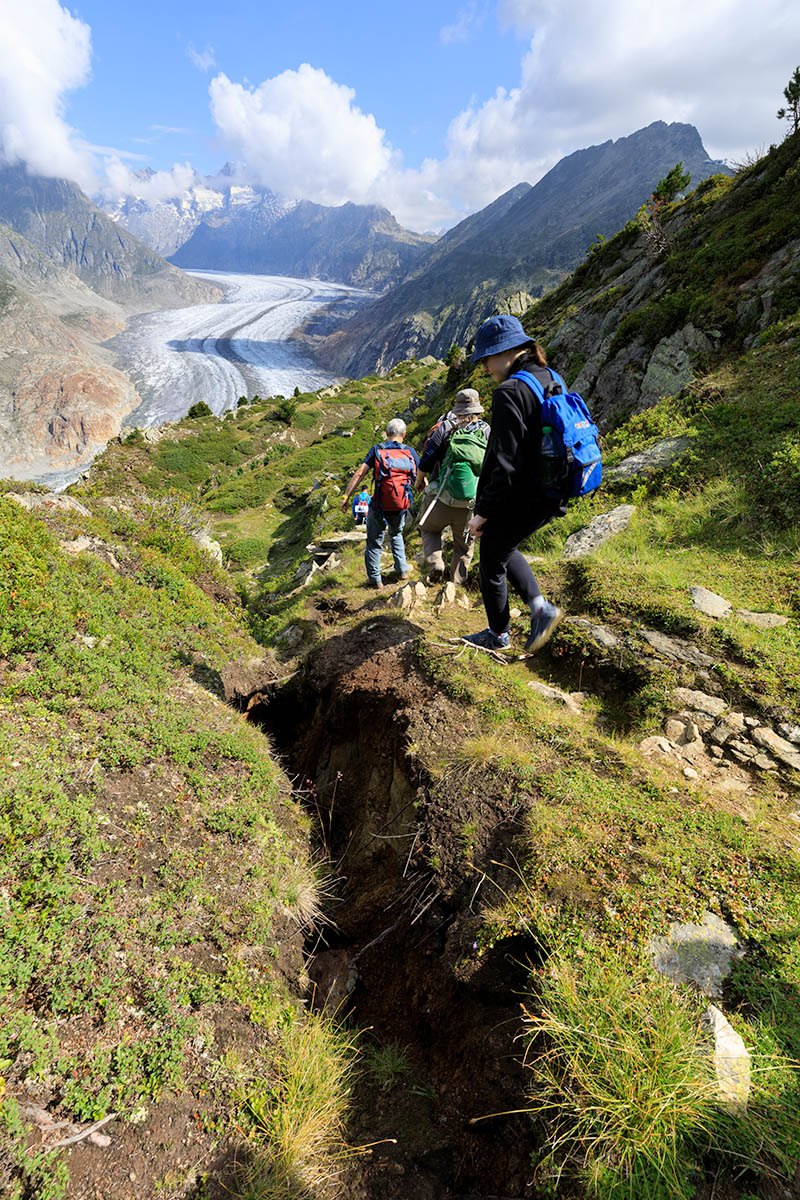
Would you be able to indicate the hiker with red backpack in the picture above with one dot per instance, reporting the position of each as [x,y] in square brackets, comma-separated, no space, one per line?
[451,460]
[542,451]
[394,466]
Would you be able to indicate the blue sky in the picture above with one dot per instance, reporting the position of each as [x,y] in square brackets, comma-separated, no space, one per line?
[394,58]
[430,109]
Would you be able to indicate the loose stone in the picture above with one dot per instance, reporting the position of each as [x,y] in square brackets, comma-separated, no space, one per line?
[675,731]
[731,1059]
[714,706]
[710,603]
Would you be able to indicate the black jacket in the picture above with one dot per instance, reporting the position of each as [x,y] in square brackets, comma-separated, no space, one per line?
[507,484]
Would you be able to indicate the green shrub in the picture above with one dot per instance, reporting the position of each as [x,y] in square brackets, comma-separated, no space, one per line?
[200,409]
[247,550]
[284,411]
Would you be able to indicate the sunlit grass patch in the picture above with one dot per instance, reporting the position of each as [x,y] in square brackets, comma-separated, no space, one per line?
[300,1114]
[623,1079]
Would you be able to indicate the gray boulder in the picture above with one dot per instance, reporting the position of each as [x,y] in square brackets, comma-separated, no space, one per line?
[657,457]
[598,531]
[710,603]
[702,955]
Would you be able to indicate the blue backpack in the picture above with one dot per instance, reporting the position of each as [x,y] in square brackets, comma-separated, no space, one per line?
[569,462]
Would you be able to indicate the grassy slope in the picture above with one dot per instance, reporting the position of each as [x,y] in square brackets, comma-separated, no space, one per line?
[616,846]
[154,864]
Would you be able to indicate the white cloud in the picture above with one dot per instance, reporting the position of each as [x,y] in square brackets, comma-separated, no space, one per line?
[467,22]
[301,134]
[593,72]
[588,73]
[46,53]
[204,60]
[153,188]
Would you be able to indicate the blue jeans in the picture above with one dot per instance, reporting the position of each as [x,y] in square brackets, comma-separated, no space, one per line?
[377,524]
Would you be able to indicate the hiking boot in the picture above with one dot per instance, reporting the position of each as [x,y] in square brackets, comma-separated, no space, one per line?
[435,574]
[488,640]
[544,622]
[374,583]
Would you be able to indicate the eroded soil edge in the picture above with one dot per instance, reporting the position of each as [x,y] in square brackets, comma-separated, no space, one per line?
[399,956]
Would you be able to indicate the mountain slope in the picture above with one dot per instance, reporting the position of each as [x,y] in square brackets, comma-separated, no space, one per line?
[61,399]
[57,218]
[547,829]
[635,323]
[361,245]
[526,247]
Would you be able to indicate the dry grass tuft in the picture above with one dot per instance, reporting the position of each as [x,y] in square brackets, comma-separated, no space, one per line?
[301,1114]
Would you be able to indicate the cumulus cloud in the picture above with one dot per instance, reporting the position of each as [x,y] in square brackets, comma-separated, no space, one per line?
[596,71]
[592,72]
[150,186]
[301,134]
[46,53]
[587,73]
[204,60]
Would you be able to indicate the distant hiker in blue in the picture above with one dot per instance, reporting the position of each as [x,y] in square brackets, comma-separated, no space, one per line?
[451,460]
[509,506]
[361,507]
[394,466]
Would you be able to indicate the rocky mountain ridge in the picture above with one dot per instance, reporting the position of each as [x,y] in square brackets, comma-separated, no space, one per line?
[518,247]
[59,220]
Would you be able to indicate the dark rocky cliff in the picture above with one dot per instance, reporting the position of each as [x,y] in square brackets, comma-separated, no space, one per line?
[522,247]
[358,244]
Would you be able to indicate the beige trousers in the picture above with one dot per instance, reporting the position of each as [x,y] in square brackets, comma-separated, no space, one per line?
[435,518]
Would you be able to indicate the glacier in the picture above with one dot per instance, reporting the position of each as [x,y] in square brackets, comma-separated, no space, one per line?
[238,346]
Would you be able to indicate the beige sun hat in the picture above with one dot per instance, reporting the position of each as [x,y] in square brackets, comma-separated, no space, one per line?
[467,403]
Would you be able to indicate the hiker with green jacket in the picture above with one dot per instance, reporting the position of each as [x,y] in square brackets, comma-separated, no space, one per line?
[451,461]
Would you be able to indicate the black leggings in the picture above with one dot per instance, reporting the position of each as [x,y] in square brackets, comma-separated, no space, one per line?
[501,562]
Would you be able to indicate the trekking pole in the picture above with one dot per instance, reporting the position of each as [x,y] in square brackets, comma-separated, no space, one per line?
[423,518]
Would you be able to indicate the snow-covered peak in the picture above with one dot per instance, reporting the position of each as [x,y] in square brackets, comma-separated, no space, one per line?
[167,224]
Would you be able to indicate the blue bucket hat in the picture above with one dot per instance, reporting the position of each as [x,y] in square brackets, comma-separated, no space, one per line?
[499,334]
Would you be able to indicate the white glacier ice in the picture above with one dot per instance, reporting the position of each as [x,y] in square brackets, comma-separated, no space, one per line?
[219,352]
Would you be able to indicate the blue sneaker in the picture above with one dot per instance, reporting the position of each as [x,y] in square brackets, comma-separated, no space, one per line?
[544,622]
[488,640]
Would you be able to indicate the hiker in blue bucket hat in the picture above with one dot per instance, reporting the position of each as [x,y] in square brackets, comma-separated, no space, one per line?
[508,505]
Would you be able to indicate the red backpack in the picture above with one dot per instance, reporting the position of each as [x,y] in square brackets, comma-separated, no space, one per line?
[395,470]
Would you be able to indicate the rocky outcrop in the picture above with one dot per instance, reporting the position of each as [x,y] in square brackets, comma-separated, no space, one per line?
[656,458]
[599,530]
[631,327]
